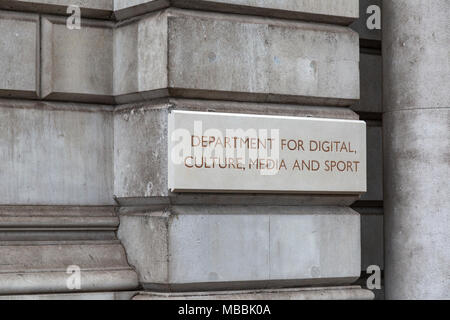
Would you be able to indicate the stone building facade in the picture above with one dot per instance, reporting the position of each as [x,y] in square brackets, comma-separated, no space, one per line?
[84,149]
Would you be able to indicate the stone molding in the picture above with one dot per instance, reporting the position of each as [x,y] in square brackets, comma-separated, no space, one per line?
[39,243]
[326,293]
[325,11]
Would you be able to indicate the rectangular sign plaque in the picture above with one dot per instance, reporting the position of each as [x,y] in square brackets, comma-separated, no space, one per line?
[242,153]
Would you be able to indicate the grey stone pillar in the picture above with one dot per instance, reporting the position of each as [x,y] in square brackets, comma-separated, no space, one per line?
[416,148]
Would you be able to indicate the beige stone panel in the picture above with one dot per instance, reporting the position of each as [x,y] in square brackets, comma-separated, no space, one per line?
[265,154]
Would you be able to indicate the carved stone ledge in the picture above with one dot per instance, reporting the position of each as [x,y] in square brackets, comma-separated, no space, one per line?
[39,243]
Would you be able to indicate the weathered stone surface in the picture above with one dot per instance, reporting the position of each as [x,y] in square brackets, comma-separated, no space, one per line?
[141,138]
[19,258]
[237,58]
[77,65]
[59,155]
[198,247]
[328,293]
[39,243]
[43,267]
[140,58]
[369,37]
[374,164]
[330,11]
[19,52]
[156,56]
[371,84]
[416,83]
[55,154]
[416,171]
[416,141]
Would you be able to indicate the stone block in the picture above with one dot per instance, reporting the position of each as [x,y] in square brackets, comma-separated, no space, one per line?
[19,52]
[371,85]
[55,154]
[328,11]
[77,65]
[140,138]
[140,58]
[224,247]
[235,57]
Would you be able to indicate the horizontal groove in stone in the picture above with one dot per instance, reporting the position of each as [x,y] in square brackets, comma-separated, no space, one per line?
[58,256]
[243,285]
[56,211]
[103,223]
[57,235]
[54,106]
[238,199]
[338,293]
[58,242]
[280,109]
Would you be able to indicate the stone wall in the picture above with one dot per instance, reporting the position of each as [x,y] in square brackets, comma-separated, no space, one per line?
[84,145]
